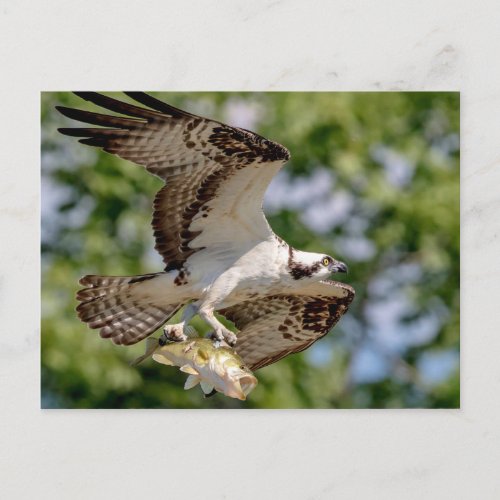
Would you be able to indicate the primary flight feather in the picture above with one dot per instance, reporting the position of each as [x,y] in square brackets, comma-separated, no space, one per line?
[219,251]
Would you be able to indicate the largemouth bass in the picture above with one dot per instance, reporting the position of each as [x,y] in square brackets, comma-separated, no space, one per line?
[212,367]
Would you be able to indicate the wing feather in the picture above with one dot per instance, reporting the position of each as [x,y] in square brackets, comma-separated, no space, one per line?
[215,175]
[158,105]
[276,326]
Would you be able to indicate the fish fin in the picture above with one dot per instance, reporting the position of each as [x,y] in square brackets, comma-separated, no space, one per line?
[151,345]
[160,358]
[190,331]
[191,381]
[206,387]
[188,369]
[213,393]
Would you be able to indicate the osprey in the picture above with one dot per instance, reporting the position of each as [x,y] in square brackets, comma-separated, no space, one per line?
[219,251]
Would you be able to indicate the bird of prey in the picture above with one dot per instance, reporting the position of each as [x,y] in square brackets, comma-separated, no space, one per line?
[219,251]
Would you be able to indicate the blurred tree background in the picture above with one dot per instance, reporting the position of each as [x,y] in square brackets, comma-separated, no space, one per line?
[373,180]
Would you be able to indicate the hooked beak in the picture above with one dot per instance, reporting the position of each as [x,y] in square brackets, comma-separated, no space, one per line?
[338,267]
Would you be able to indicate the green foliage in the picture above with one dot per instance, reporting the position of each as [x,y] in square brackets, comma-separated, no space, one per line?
[394,155]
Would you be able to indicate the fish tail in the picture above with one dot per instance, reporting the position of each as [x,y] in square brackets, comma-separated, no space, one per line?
[206,387]
[191,381]
[151,345]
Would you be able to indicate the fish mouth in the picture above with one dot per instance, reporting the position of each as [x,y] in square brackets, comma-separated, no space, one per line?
[239,388]
[247,384]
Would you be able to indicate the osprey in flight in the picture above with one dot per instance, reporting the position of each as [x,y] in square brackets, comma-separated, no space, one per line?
[219,251]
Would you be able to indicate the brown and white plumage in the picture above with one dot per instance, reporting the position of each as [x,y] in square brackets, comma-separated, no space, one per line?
[194,156]
[218,249]
[122,308]
[273,327]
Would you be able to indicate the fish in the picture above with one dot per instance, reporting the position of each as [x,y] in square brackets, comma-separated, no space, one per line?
[213,365]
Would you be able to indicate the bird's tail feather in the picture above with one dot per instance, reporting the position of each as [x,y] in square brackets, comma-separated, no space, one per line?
[123,307]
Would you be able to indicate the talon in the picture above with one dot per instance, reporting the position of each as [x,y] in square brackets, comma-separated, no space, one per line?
[215,336]
[174,333]
[230,338]
[223,338]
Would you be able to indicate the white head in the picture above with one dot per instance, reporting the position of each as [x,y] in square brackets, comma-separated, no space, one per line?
[315,266]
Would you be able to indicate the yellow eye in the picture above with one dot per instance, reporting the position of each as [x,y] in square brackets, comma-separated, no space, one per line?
[326,261]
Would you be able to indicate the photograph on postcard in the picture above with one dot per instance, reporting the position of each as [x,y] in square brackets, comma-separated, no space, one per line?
[250,250]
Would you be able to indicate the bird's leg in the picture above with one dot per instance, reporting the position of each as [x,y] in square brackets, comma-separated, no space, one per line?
[190,311]
[220,332]
[179,331]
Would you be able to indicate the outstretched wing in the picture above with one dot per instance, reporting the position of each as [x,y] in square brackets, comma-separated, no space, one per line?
[275,326]
[215,175]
